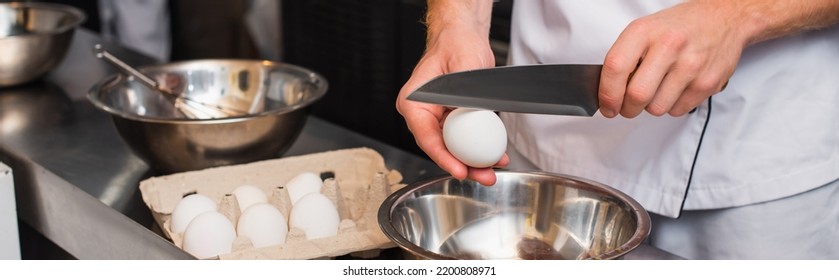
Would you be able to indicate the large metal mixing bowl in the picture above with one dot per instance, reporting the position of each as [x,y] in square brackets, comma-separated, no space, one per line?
[34,37]
[171,143]
[525,215]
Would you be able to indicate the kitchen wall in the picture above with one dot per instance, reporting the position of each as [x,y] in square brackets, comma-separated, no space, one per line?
[366,50]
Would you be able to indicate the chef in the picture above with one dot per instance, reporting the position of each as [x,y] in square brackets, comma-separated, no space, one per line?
[719,117]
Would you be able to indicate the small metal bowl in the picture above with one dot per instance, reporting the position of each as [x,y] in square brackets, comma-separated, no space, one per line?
[172,143]
[525,215]
[34,37]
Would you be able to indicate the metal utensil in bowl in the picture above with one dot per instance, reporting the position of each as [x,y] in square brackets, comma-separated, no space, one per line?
[34,37]
[190,108]
[525,215]
[170,143]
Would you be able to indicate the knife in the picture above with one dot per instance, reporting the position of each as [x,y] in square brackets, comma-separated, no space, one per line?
[557,89]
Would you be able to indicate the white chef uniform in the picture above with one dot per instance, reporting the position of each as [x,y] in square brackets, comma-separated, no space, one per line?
[772,134]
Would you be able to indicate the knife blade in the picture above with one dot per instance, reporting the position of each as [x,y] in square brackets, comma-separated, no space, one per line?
[558,89]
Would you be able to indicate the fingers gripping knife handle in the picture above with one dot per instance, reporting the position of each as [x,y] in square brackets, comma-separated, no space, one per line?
[631,74]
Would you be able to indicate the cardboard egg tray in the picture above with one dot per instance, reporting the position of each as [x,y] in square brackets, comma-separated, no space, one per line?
[360,182]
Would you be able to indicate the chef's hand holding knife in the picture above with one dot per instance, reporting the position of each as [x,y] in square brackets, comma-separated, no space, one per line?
[666,63]
[671,61]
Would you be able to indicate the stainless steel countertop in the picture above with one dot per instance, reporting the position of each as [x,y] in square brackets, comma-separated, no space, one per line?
[76,181]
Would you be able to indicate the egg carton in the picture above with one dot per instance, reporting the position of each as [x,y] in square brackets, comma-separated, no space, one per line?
[357,183]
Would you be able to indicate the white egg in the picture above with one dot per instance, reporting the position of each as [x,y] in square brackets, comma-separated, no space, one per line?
[208,235]
[477,138]
[315,215]
[247,195]
[263,224]
[189,207]
[303,184]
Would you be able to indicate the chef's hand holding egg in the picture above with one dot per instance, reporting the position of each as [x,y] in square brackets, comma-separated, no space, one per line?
[476,137]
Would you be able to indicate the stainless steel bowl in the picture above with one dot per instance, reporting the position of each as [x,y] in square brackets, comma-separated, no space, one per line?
[170,143]
[34,37]
[525,215]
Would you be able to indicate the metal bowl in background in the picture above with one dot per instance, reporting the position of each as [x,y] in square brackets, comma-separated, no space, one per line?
[171,143]
[525,215]
[34,37]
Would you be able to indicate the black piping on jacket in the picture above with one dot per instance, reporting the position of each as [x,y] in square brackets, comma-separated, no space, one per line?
[695,156]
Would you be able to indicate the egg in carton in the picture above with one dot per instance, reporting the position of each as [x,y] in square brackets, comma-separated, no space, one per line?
[357,181]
